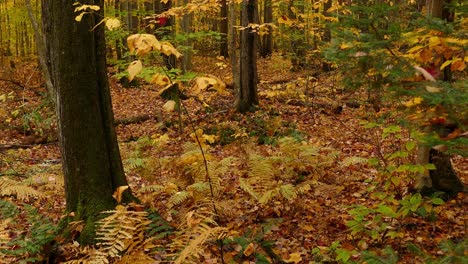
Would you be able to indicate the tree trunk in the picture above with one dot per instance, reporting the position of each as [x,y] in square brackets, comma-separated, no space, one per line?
[327,33]
[90,155]
[247,97]
[267,40]
[233,7]
[223,29]
[187,53]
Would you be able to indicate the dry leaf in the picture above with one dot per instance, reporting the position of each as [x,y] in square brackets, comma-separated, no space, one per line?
[432,89]
[169,106]
[134,69]
[142,44]
[249,250]
[294,258]
[112,23]
[118,193]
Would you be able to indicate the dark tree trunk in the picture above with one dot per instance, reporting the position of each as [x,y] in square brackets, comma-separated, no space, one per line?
[247,96]
[327,33]
[267,40]
[223,29]
[90,155]
[444,178]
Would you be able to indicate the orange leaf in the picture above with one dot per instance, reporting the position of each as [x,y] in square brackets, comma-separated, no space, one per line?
[458,65]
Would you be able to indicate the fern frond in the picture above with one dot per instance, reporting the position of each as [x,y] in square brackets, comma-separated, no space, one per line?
[268,196]
[178,198]
[21,191]
[244,185]
[260,167]
[7,209]
[204,233]
[134,163]
[353,160]
[122,231]
[4,233]
[153,188]
[288,191]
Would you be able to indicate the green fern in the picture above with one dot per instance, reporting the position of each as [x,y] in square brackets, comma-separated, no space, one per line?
[29,245]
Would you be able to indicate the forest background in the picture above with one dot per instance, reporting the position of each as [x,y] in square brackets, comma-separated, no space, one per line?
[249,132]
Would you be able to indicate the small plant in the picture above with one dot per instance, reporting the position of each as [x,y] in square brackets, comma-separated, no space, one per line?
[334,252]
[452,252]
[29,245]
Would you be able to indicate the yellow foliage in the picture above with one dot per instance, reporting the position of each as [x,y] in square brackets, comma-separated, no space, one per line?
[414,101]
[19,189]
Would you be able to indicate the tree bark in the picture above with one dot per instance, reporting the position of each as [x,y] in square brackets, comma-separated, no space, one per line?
[247,97]
[223,29]
[267,43]
[233,7]
[91,160]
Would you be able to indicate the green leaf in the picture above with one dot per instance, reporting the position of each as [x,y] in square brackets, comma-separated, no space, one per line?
[410,145]
[437,201]
[343,255]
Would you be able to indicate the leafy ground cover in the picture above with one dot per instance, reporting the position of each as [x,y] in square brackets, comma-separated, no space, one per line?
[293,182]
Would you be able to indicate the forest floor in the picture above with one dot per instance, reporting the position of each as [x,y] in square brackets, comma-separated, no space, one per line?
[291,105]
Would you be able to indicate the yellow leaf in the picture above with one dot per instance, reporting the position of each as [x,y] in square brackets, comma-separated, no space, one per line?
[345,46]
[445,64]
[169,106]
[432,89]
[79,17]
[249,250]
[134,69]
[333,8]
[205,83]
[118,193]
[434,41]
[413,102]
[142,44]
[210,138]
[414,49]
[294,258]
[160,79]
[168,49]
[3,97]
[112,23]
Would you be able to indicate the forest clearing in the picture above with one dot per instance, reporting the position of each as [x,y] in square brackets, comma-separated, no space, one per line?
[341,139]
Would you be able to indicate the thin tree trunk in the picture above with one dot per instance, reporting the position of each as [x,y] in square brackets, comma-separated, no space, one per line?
[267,43]
[41,52]
[247,97]
[187,54]
[233,8]
[223,29]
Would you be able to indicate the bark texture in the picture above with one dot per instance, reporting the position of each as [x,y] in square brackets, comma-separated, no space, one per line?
[247,97]
[91,160]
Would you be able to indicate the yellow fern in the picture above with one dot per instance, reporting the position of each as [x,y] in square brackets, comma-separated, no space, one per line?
[122,231]
[20,190]
[178,198]
[198,227]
